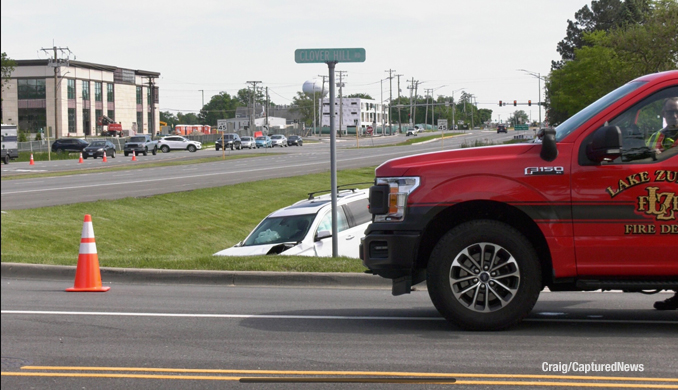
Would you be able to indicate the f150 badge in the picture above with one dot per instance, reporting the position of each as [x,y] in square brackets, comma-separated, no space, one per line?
[531,171]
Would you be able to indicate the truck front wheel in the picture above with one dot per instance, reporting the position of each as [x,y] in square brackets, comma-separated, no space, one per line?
[484,275]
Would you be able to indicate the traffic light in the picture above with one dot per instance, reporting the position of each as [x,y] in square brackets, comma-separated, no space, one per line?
[529,102]
[500,103]
[515,103]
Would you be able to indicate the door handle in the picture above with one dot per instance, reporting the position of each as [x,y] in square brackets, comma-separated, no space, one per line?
[349,237]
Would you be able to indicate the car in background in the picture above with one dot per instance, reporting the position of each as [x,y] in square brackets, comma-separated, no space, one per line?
[413,131]
[305,228]
[69,145]
[263,141]
[99,149]
[231,141]
[295,140]
[502,129]
[175,142]
[279,140]
[247,142]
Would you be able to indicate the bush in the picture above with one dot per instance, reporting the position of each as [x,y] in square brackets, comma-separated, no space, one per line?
[38,137]
[22,136]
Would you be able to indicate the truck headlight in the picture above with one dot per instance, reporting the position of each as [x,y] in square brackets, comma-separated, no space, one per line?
[395,200]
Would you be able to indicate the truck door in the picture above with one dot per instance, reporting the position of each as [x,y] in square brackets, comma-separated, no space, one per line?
[625,212]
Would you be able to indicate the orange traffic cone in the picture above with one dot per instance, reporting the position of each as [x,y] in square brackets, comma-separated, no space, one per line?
[87,274]
[134,156]
[80,160]
[32,162]
[105,157]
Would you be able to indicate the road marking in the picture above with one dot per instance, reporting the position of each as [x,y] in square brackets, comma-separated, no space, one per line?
[314,317]
[292,376]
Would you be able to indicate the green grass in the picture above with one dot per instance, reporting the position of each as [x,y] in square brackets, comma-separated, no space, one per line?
[172,231]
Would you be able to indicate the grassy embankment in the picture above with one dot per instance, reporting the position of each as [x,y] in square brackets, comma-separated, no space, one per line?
[173,231]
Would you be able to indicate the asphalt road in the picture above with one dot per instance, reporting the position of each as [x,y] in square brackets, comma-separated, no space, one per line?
[271,163]
[182,336]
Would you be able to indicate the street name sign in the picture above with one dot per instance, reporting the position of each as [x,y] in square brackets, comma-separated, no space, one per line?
[522,127]
[311,56]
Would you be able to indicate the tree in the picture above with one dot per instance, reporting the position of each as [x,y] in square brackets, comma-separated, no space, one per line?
[607,59]
[603,15]
[169,118]
[303,104]
[188,119]
[221,106]
[360,95]
[519,117]
[8,65]
[244,96]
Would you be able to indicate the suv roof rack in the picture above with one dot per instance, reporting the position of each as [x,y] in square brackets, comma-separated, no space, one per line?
[311,195]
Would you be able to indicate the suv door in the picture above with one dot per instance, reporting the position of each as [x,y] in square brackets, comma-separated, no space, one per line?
[625,212]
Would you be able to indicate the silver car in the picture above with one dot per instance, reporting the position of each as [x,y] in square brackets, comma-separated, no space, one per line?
[248,142]
[279,140]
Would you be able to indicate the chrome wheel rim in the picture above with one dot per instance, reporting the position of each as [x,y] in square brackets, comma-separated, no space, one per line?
[484,277]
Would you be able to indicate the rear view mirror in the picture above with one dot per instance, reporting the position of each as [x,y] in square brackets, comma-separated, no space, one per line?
[605,144]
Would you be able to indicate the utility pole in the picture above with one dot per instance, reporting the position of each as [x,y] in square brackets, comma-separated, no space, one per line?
[411,88]
[400,128]
[414,114]
[427,91]
[254,104]
[322,99]
[267,125]
[55,62]
[341,99]
[151,86]
[390,98]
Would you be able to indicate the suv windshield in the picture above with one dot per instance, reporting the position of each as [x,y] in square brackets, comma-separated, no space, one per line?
[276,230]
[137,139]
[592,110]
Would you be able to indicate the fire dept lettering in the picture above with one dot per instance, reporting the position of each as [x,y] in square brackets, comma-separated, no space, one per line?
[628,182]
[661,205]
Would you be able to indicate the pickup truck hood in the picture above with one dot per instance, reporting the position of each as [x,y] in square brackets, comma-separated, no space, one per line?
[400,166]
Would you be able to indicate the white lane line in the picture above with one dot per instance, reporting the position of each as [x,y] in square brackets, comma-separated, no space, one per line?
[312,317]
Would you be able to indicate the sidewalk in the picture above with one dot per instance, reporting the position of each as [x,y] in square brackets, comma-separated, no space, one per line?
[228,278]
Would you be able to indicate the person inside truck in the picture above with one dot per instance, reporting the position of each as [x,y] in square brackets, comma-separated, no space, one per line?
[667,137]
[661,141]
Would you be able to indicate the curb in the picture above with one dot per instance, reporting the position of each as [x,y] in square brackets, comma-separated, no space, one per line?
[227,278]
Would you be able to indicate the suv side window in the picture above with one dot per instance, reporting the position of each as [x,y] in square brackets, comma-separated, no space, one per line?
[326,222]
[359,211]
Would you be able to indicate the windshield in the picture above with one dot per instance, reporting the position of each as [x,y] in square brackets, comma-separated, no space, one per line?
[589,112]
[138,139]
[261,138]
[276,230]
[276,136]
[98,143]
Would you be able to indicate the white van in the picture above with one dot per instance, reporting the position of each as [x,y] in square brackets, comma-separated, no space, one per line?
[9,143]
[305,228]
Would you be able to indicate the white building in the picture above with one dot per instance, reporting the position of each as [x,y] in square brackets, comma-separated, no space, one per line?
[355,112]
[84,93]
[237,125]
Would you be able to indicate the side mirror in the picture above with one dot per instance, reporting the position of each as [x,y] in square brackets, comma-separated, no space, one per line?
[323,234]
[549,150]
[605,144]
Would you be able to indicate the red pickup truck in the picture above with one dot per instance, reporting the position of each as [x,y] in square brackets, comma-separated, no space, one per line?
[589,205]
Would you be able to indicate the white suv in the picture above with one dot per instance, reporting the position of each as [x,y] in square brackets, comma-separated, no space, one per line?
[305,228]
[175,142]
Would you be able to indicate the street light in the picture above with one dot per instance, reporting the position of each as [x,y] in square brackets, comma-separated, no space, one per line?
[537,75]
[454,124]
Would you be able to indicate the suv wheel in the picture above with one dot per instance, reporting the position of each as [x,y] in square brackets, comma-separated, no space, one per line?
[192,148]
[155,150]
[165,149]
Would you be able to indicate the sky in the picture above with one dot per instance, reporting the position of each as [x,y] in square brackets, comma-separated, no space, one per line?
[204,47]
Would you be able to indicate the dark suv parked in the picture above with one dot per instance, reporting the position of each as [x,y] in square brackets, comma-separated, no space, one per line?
[231,141]
[69,145]
[502,129]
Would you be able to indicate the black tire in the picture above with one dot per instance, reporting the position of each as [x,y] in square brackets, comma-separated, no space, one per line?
[191,148]
[232,147]
[165,149]
[155,150]
[145,151]
[456,279]
[5,159]
[113,154]
[84,157]
[126,154]
[217,148]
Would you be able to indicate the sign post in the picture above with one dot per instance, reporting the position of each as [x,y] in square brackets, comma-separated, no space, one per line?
[331,57]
